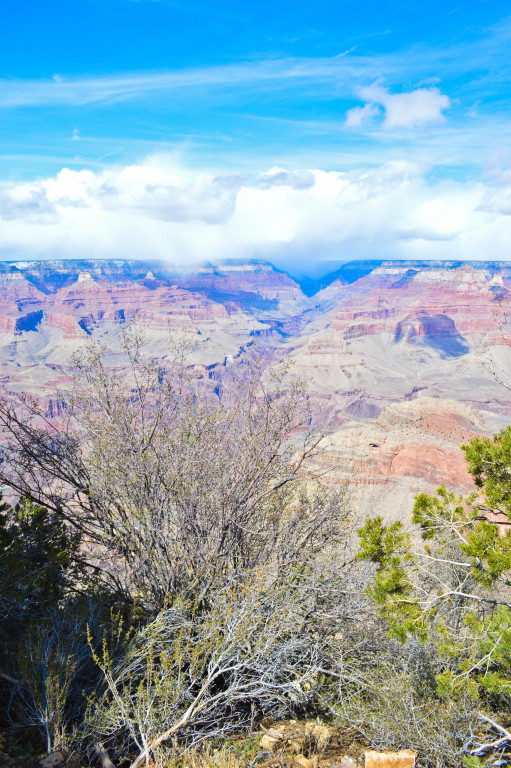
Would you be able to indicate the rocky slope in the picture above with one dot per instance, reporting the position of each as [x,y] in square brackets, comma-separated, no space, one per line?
[49,309]
[408,340]
[404,360]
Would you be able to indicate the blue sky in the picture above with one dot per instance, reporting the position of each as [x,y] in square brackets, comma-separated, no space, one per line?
[247,84]
[234,90]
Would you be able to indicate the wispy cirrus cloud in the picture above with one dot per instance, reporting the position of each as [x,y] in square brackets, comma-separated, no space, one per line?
[330,111]
[81,91]
[473,61]
[340,75]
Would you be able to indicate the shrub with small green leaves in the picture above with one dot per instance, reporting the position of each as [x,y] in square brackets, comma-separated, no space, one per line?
[194,673]
[38,564]
[449,582]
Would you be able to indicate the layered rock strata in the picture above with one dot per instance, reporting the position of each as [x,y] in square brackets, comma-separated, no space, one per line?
[404,361]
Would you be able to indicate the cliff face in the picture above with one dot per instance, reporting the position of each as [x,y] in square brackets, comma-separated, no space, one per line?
[389,356]
[49,309]
[81,298]
[400,339]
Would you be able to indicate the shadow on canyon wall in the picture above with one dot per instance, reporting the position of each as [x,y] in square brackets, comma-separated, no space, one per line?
[435,331]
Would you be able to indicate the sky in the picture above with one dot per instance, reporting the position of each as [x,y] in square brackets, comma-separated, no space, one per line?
[295,132]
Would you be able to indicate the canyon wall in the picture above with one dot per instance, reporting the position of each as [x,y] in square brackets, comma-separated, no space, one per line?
[403,360]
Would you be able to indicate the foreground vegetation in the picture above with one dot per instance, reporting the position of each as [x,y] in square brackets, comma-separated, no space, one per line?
[174,575]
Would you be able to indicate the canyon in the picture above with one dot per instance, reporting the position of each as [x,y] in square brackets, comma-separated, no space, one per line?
[403,361]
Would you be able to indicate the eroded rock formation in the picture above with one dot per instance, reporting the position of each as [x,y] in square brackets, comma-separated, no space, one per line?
[404,360]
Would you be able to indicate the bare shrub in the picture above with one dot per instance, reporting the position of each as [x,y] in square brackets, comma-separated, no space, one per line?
[50,660]
[173,492]
[204,517]
[195,674]
[387,692]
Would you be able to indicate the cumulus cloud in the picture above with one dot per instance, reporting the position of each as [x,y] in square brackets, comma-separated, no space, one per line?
[152,193]
[497,193]
[278,177]
[360,116]
[288,216]
[411,109]
[494,202]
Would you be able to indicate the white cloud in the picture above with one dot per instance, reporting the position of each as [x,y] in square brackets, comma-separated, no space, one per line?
[115,88]
[359,116]
[279,177]
[146,211]
[412,109]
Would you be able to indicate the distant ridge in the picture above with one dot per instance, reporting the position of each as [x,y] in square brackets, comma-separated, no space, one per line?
[49,276]
[347,273]
[352,271]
